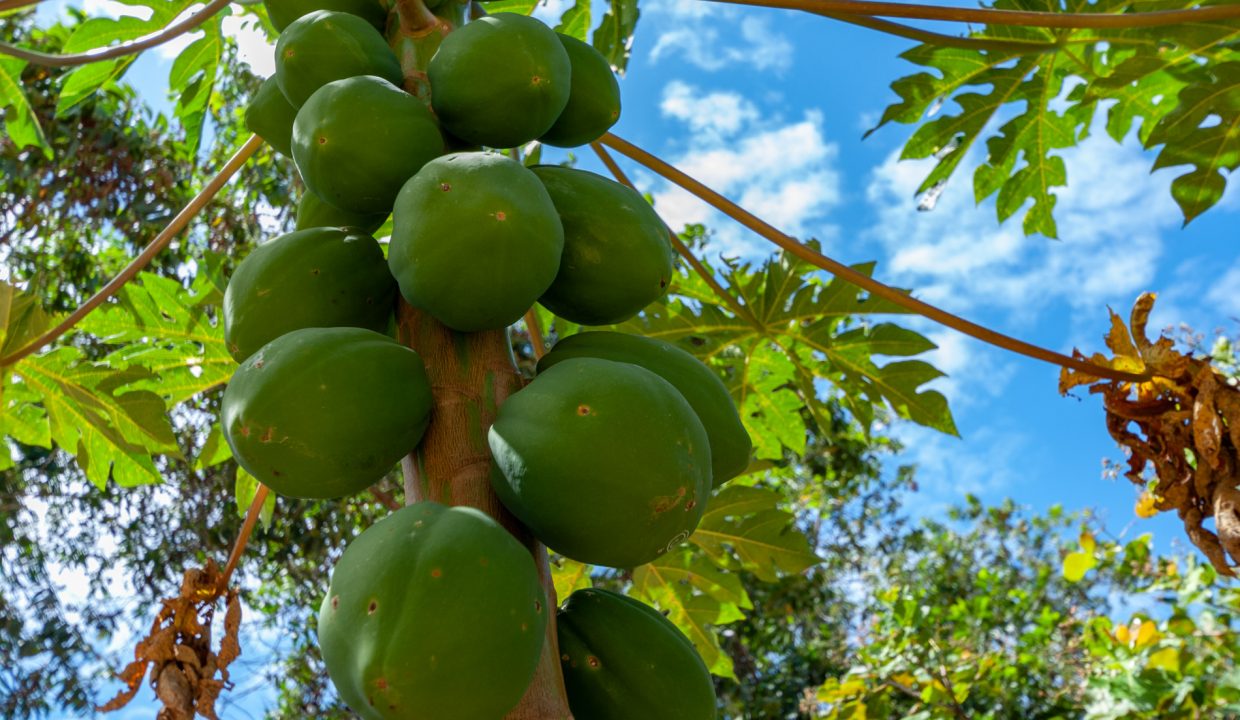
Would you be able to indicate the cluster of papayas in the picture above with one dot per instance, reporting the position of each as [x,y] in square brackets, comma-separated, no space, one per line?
[608,455]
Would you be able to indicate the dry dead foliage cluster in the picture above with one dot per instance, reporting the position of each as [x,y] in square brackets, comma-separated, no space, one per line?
[184,670]
[1181,428]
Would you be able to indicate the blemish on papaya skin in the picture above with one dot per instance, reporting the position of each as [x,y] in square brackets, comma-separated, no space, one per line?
[263,292]
[690,505]
[374,605]
[267,435]
[501,216]
[335,602]
[437,573]
[583,410]
[381,683]
[666,502]
[593,661]
[445,186]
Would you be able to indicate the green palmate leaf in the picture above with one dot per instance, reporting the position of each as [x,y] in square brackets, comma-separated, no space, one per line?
[1017,85]
[20,121]
[697,597]
[614,35]
[113,435]
[569,576]
[84,81]
[193,74]
[575,21]
[22,319]
[744,522]
[244,490]
[1202,131]
[524,7]
[804,337]
[165,330]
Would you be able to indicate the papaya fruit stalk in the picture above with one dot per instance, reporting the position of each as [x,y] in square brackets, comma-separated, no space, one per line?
[471,375]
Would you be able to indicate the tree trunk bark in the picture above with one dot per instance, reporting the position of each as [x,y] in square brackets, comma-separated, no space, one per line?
[471,374]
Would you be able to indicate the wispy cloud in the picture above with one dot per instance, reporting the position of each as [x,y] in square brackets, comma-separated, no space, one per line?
[783,171]
[710,43]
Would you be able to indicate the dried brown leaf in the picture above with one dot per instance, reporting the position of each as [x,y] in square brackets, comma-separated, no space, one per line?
[230,646]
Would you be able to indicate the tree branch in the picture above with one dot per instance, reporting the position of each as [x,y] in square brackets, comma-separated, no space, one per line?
[534,328]
[7,5]
[847,274]
[243,537]
[1110,21]
[161,241]
[115,51]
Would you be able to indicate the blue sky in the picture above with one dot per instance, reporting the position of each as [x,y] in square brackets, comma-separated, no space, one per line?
[769,107]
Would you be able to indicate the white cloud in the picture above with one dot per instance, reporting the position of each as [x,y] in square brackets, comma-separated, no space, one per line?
[113,9]
[711,42]
[986,463]
[717,113]
[254,48]
[1224,294]
[956,255]
[784,172]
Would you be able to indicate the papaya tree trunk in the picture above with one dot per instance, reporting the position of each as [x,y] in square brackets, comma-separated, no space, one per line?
[471,374]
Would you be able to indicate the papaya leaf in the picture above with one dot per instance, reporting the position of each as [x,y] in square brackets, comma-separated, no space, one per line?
[696,596]
[806,333]
[569,576]
[244,490]
[524,7]
[166,330]
[111,435]
[19,119]
[614,35]
[1020,85]
[193,74]
[745,522]
[215,450]
[82,82]
[22,319]
[575,22]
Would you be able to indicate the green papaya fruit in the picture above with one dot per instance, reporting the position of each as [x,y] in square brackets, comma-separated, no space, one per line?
[313,211]
[730,445]
[475,240]
[622,660]
[605,462]
[593,100]
[500,80]
[284,12]
[326,412]
[270,116]
[323,46]
[356,141]
[617,255]
[434,613]
[321,277]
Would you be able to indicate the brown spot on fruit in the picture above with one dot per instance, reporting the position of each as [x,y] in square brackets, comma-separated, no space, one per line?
[524,627]
[245,431]
[381,683]
[690,505]
[314,271]
[593,661]
[374,605]
[436,573]
[267,435]
[258,364]
[583,410]
[445,186]
[322,140]
[537,606]
[564,657]
[335,602]
[501,215]
[536,80]
[667,502]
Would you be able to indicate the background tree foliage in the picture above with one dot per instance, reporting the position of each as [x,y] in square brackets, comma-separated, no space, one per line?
[798,605]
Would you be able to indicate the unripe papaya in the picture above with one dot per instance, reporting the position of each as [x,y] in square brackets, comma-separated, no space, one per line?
[434,613]
[605,462]
[321,277]
[617,255]
[593,102]
[730,445]
[284,12]
[623,660]
[270,116]
[313,211]
[326,412]
[500,80]
[323,46]
[475,240]
[356,141]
